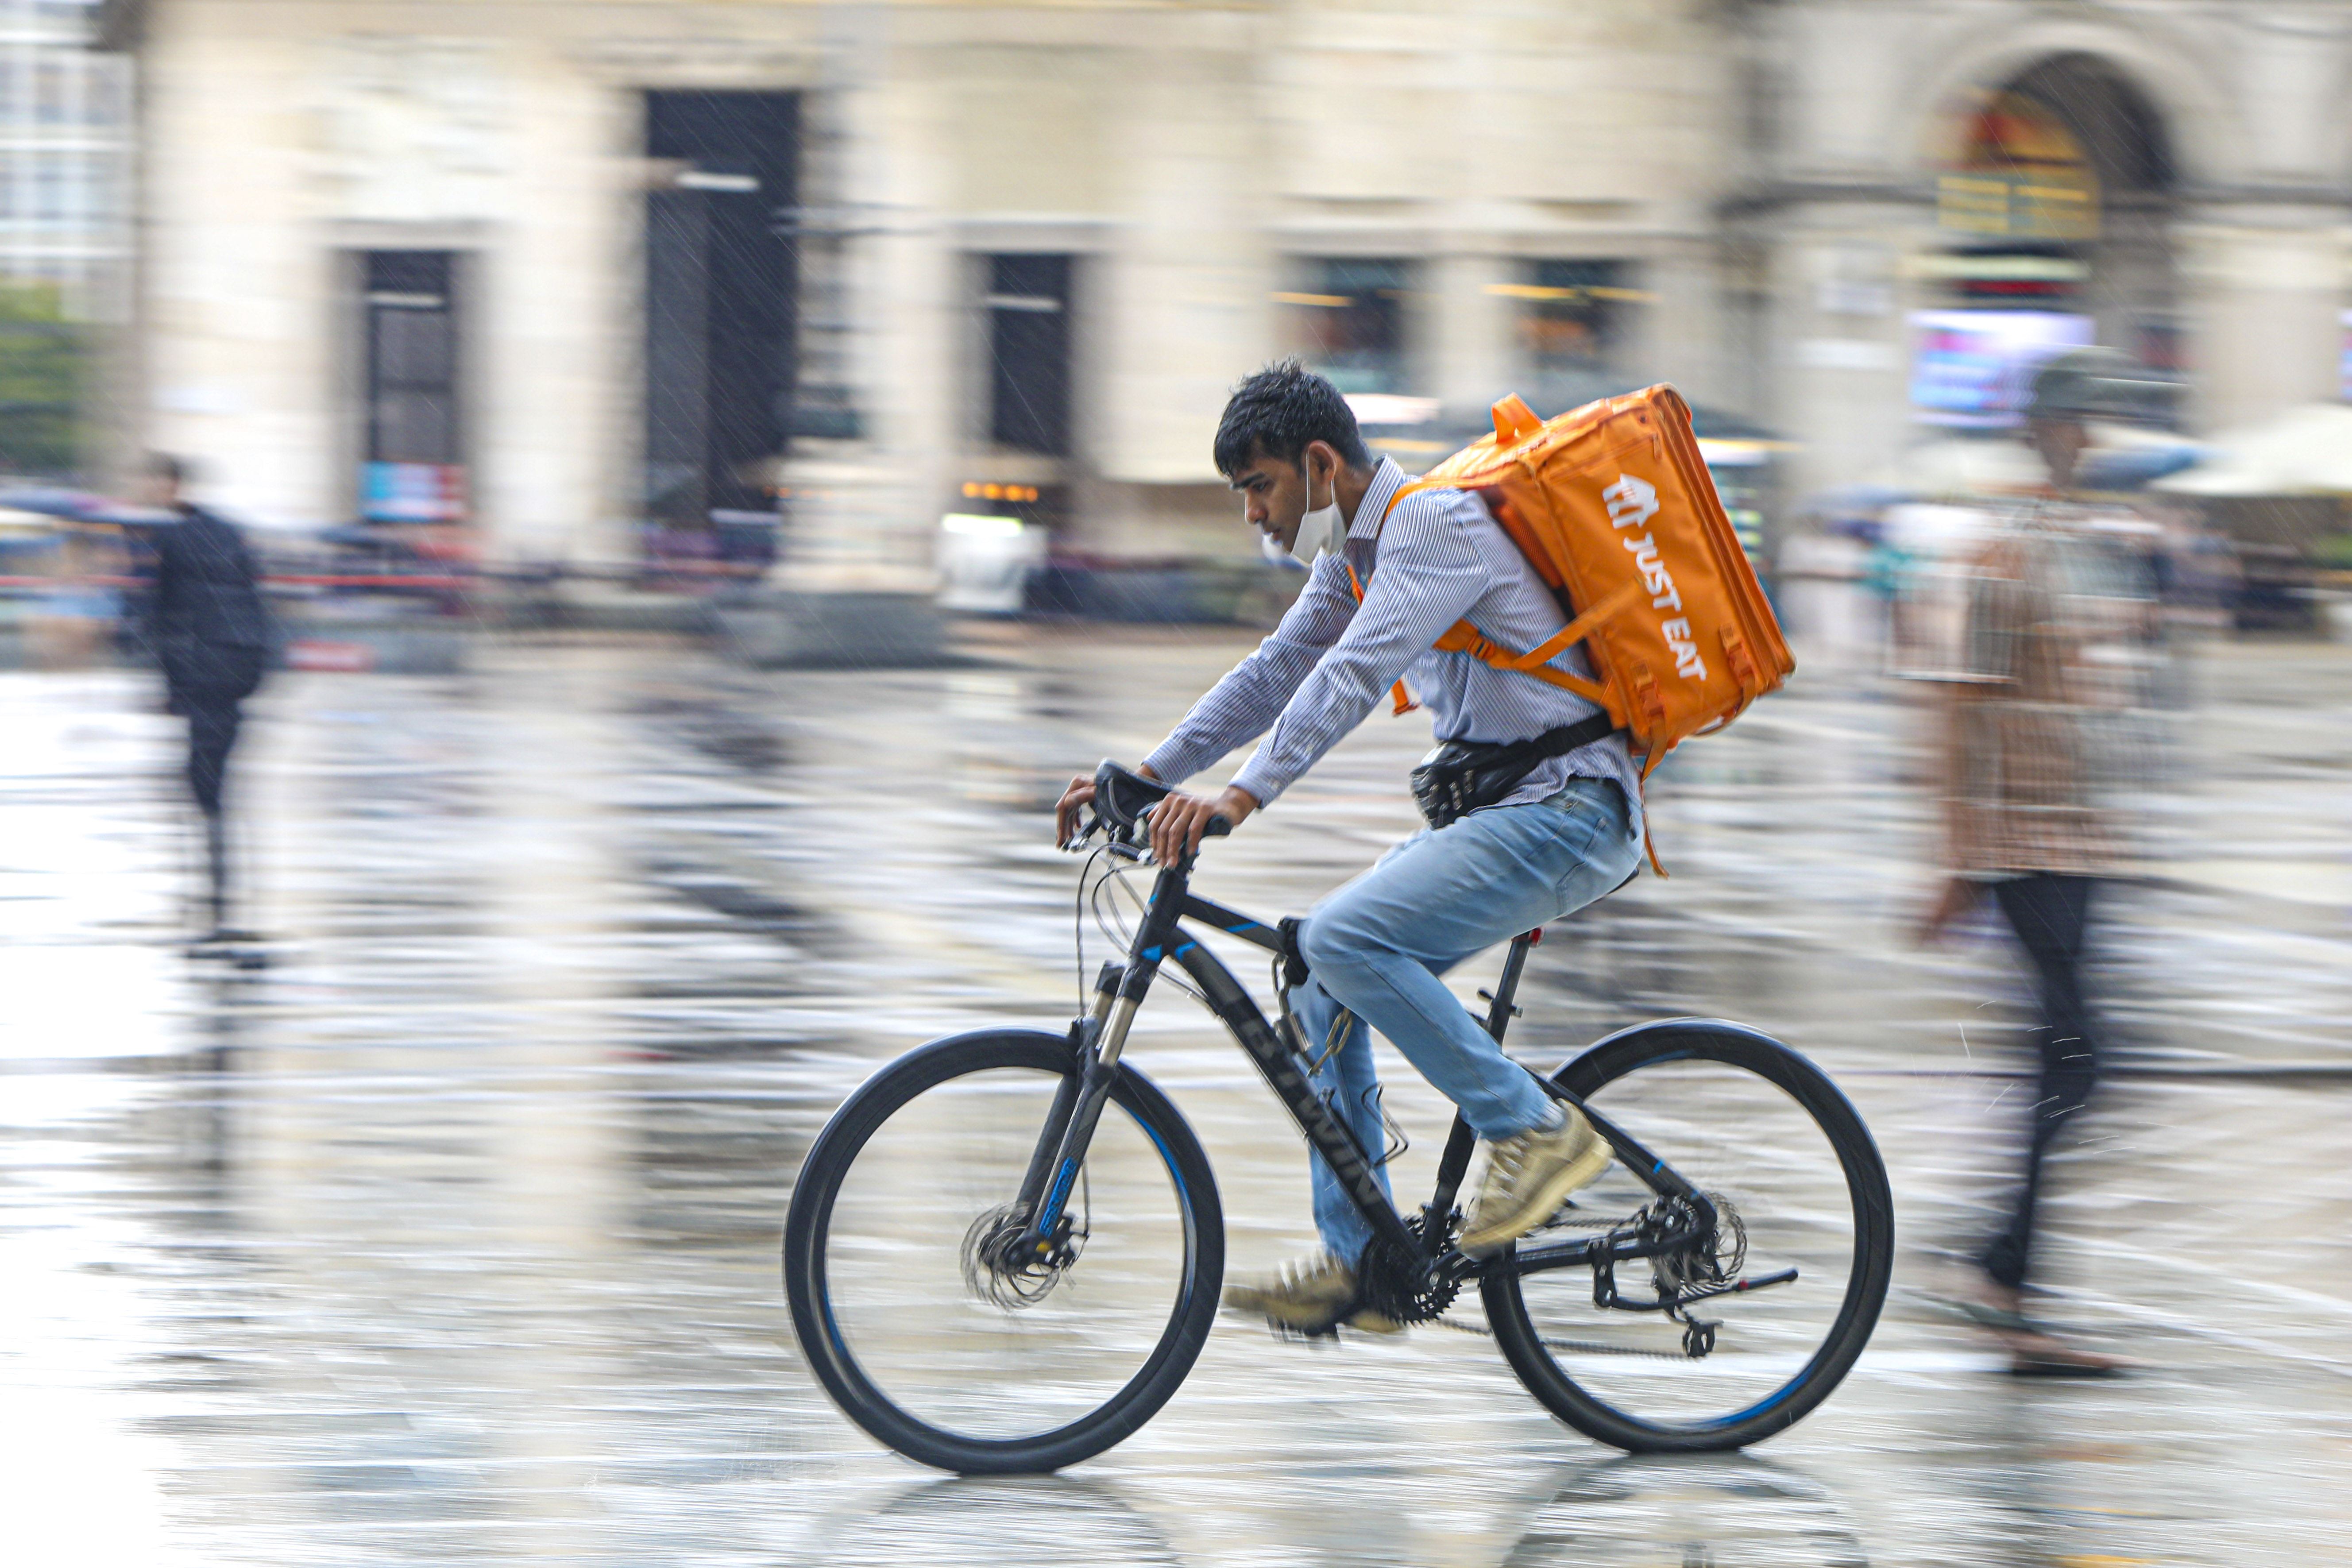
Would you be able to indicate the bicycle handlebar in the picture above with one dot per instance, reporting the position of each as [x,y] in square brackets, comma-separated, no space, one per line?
[1123,798]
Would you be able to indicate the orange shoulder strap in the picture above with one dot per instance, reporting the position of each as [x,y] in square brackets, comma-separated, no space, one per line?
[1402,700]
[1463,638]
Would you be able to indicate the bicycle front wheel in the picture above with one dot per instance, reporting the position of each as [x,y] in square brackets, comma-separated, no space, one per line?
[904,1309]
[1798,1185]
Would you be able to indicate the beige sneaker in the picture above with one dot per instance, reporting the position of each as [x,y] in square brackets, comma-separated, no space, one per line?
[1312,1297]
[1529,1177]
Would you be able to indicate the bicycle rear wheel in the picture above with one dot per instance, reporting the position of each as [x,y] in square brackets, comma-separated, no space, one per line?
[960,1365]
[1774,1145]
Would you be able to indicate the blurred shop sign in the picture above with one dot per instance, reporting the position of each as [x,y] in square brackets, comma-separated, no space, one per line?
[2002,275]
[2039,205]
[1844,353]
[318,653]
[413,492]
[1390,408]
[2019,174]
[1971,368]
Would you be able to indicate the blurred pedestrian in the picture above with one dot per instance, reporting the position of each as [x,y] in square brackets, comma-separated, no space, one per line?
[2027,762]
[210,633]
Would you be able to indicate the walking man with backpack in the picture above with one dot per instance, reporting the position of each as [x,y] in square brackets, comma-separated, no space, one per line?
[210,633]
[2027,760]
[1549,829]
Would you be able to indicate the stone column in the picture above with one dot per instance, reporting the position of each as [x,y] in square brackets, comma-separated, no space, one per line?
[860,511]
[856,582]
[1469,357]
[2263,290]
[1681,337]
[1839,358]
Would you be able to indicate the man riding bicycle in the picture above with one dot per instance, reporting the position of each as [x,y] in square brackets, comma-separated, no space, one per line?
[1387,578]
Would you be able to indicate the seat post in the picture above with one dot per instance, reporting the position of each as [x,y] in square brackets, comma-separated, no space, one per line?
[1454,1164]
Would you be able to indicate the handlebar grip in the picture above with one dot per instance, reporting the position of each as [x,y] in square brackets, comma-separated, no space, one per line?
[1218,826]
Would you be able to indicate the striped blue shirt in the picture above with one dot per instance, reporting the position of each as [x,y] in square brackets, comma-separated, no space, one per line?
[1438,559]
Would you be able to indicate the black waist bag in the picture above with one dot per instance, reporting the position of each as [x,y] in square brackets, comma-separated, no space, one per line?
[1460,776]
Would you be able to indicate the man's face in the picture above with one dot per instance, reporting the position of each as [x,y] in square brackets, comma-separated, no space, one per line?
[158,491]
[1275,493]
[2060,443]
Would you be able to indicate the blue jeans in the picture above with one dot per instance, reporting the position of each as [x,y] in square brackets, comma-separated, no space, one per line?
[1377,947]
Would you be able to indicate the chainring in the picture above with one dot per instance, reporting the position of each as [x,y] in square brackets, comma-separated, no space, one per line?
[1405,1289]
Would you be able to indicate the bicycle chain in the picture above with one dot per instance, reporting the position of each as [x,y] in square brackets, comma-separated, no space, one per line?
[1567,1220]
[1590,1347]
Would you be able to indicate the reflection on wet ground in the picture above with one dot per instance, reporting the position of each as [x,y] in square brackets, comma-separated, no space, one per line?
[452,1234]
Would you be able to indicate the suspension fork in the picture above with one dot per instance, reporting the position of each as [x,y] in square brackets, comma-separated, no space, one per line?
[1098,1041]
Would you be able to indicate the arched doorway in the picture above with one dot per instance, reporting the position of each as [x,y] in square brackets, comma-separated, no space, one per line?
[2055,206]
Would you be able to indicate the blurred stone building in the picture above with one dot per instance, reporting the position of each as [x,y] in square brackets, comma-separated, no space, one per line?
[561,269]
[1942,182]
[65,129]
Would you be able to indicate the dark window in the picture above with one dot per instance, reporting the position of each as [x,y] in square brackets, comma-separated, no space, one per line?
[1028,308]
[412,358]
[721,279]
[1351,322]
[413,441]
[1575,318]
[1576,325]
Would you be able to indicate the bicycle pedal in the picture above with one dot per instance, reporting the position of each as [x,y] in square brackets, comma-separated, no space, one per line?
[1284,1332]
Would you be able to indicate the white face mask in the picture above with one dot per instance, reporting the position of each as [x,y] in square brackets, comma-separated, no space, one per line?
[1322,530]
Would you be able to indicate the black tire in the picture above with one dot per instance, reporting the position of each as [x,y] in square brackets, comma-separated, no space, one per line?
[1849,1320]
[810,1291]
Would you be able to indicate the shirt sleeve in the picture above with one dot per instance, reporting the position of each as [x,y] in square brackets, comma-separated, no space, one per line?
[1252,694]
[1426,577]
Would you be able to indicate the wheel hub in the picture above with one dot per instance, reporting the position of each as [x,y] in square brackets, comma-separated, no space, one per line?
[1006,1265]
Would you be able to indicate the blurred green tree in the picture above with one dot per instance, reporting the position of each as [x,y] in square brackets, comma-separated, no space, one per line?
[42,364]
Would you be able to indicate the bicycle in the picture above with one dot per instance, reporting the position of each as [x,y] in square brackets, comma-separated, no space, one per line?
[991,1275]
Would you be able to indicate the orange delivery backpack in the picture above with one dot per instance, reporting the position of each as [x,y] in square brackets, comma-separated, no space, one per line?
[1614,507]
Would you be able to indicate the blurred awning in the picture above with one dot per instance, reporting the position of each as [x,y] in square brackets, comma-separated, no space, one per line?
[1417,432]
[2305,451]
[80,506]
[1962,466]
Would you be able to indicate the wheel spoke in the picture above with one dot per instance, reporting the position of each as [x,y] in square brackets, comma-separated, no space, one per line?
[1726,1364]
[927,1308]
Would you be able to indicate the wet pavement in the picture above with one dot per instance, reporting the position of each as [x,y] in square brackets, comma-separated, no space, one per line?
[452,1234]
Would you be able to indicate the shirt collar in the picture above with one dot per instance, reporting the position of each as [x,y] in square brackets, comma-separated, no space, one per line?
[1373,509]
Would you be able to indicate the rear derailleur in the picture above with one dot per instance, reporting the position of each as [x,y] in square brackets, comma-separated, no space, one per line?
[1701,1265]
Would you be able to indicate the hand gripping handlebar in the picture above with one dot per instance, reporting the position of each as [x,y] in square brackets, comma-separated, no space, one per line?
[1122,800]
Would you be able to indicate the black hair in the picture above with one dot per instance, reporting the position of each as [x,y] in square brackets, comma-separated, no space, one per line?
[1275,413]
[165,467]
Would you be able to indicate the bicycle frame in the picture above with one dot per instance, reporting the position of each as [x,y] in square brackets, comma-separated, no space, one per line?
[1099,1037]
